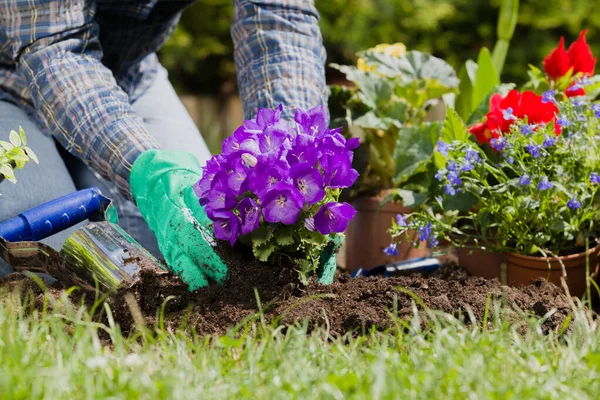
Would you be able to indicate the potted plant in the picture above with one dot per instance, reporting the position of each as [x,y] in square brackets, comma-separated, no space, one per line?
[275,189]
[389,108]
[524,184]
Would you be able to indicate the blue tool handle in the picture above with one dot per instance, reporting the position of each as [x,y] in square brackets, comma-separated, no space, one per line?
[54,216]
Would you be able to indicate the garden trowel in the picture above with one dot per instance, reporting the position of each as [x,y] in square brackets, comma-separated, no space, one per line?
[99,252]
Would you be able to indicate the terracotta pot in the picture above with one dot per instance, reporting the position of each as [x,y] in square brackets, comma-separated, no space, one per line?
[367,235]
[521,270]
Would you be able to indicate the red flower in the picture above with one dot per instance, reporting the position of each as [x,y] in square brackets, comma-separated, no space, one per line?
[575,90]
[504,111]
[580,56]
[557,64]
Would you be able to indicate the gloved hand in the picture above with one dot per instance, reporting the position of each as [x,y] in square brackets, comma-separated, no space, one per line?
[162,186]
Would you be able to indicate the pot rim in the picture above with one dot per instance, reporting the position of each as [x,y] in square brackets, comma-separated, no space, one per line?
[590,251]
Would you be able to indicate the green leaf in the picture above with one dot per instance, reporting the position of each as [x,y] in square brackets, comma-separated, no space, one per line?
[22,136]
[414,149]
[593,89]
[14,138]
[6,145]
[487,76]
[484,107]
[371,120]
[373,90]
[414,65]
[409,198]
[31,154]
[460,202]
[454,127]
[284,236]
[262,235]
[263,252]
[8,173]
[464,101]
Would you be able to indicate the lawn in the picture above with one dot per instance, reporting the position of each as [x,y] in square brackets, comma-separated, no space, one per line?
[64,354]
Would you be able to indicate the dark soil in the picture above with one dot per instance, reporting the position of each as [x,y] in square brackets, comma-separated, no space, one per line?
[346,305]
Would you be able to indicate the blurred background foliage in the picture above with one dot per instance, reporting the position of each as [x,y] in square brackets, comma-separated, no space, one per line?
[199,56]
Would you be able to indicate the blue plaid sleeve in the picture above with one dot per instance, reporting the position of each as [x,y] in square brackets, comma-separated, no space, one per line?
[279,54]
[56,48]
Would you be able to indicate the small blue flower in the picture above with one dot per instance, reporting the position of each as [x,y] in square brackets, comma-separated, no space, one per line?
[578,102]
[400,220]
[443,147]
[391,250]
[510,160]
[596,109]
[548,96]
[472,155]
[549,141]
[467,166]
[508,114]
[498,144]
[563,121]
[545,184]
[454,178]
[525,180]
[573,204]
[594,178]
[452,165]
[425,232]
[440,174]
[527,129]
[575,87]
[533,149]
[449,190]
[433,241]
[583,81]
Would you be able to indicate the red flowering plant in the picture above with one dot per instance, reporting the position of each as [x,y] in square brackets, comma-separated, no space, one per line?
[528,183]
[567,73]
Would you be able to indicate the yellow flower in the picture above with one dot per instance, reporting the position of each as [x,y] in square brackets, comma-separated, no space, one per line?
[362,65]
[393,50]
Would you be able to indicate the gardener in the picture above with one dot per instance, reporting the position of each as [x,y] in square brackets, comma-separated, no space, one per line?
[83,80]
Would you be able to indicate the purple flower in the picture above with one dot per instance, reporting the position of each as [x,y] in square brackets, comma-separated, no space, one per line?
[454,178]
[549,141]
[510,160]
[425,232]
[338,171]
[443,147]
[525,180]
[226,226]
[452,165]
[573,204]
[282,204]
[467,166]
[352,144]
[265,177]
[219,198]
[498,144]
[472,155]
[309,223]
[242,140]
[575,87]
[533,149]
[266,117]
[274,141]
[545,184]
[563,121]
[548,97]
[440,174]
[527,129]
[250,215]
[594,178]
[400,220]
[334,217]
[308,181]
[303,150]
[209,171]
[596,109]
[449,190]
[313,122]
[234,175]
[391,250]
[433,241]
[508,114]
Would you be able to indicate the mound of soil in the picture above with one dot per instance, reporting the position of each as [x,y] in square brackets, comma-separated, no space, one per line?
[346,305]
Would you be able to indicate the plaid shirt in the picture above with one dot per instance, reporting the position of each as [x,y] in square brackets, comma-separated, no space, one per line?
[77,65]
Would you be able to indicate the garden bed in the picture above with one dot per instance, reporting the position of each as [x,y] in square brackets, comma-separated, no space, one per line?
[347,305]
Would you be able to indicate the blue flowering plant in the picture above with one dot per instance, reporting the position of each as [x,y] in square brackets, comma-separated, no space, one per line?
[275,187]
[531,190]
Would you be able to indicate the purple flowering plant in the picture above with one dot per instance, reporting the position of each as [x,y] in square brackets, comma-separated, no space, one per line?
[530,192]
[275,186]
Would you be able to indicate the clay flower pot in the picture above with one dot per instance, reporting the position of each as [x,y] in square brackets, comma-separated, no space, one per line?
[521,270]
[367,235]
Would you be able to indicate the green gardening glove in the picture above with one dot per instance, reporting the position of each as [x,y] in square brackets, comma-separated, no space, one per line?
[162,185]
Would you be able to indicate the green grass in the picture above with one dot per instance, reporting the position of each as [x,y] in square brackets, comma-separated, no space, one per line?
[61,355]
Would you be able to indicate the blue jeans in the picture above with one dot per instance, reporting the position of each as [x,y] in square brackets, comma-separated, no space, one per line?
[60,173]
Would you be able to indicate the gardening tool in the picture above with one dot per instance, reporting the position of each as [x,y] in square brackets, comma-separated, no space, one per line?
[98,252]
[416,265]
